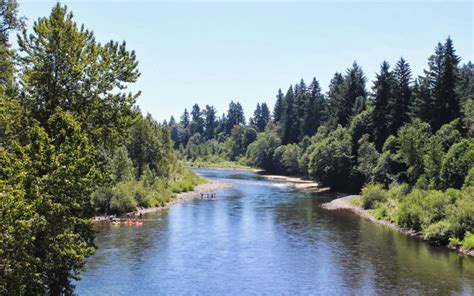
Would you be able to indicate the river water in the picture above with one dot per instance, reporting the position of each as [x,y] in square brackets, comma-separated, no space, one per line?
[266,237]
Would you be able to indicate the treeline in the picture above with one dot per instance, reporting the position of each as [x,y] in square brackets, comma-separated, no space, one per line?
[412,134]
[349,133]
[72,145]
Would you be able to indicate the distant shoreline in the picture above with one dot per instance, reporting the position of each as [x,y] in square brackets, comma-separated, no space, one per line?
[211,185]
[345,203]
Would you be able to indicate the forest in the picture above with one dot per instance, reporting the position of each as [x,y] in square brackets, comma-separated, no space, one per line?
[407,143]
[73,145]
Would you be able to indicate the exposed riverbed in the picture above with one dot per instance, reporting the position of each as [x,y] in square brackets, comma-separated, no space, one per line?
[267,237]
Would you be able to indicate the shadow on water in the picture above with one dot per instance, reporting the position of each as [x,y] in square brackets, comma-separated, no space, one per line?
[267,237]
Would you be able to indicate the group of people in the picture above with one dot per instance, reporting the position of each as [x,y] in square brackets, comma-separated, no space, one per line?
[208,196]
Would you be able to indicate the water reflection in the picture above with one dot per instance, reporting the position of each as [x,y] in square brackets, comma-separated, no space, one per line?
[263,236]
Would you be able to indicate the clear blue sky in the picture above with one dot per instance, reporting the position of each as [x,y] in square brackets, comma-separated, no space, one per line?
[212,52]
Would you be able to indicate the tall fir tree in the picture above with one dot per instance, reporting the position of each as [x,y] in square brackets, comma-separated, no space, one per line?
[400,101]
[289,124]
[210,122]
[185,118]
[279,106]
[383,93]
[313,110]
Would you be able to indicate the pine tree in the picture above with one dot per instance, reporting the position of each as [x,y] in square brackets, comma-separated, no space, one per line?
[65,67]
[383,92]
[421,106]
[265,115]
[344,91]
[449,108]
[210,122]
[257,117]
[279,106]
[336,97]
[235,116]
[185,118]
[313,109]
[289,120]
[400,100]
[197,122]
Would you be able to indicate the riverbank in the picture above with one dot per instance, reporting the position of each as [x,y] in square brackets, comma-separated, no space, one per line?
[204,189]
[347,203]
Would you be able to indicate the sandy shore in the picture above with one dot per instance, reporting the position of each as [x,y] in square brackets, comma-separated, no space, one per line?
[345,203]
[208,187]
[299,182]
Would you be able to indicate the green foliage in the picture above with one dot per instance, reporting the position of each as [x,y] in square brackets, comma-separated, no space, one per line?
[438,233]
[65,67]
[260,153]
[469,180]
[468,241]
[367,158]
[371,195]
[413,139]
[286,159]
[123,198]
[468,116]
[330,159]
[457,163]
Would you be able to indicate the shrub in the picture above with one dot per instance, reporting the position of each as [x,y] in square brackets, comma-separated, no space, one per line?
[409,212]
[101,199]
[372,194]
[461,214]
[438,233]
[457,163]
[469,180]
[468,241]
[454,242]
[123,199]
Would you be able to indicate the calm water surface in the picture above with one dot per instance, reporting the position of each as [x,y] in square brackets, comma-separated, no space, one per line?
[265,237]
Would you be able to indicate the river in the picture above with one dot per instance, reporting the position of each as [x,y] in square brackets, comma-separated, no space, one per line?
[266,237]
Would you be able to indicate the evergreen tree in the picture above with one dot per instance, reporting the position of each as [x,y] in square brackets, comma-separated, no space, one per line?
[172,121]
[354,87]
[64,67]
[261,116]
[210,122]
[313,109]
[383,92]
[9,22]
[265,115]
[235,116]
[289,120]
[449,107]
[465,87]
[257,115]
[420,106]
[401,98]
[197,122]
[279,106]
[185,118]
[443,77]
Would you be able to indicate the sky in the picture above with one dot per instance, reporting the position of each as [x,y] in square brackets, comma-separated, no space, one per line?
[214,52]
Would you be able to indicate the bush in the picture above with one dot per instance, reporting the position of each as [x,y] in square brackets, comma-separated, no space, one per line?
[101,199]
[123,199]
[461,214]
[457,163]
[372,194]
[438,233]
[409,212]
[468,241]
[454,242]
